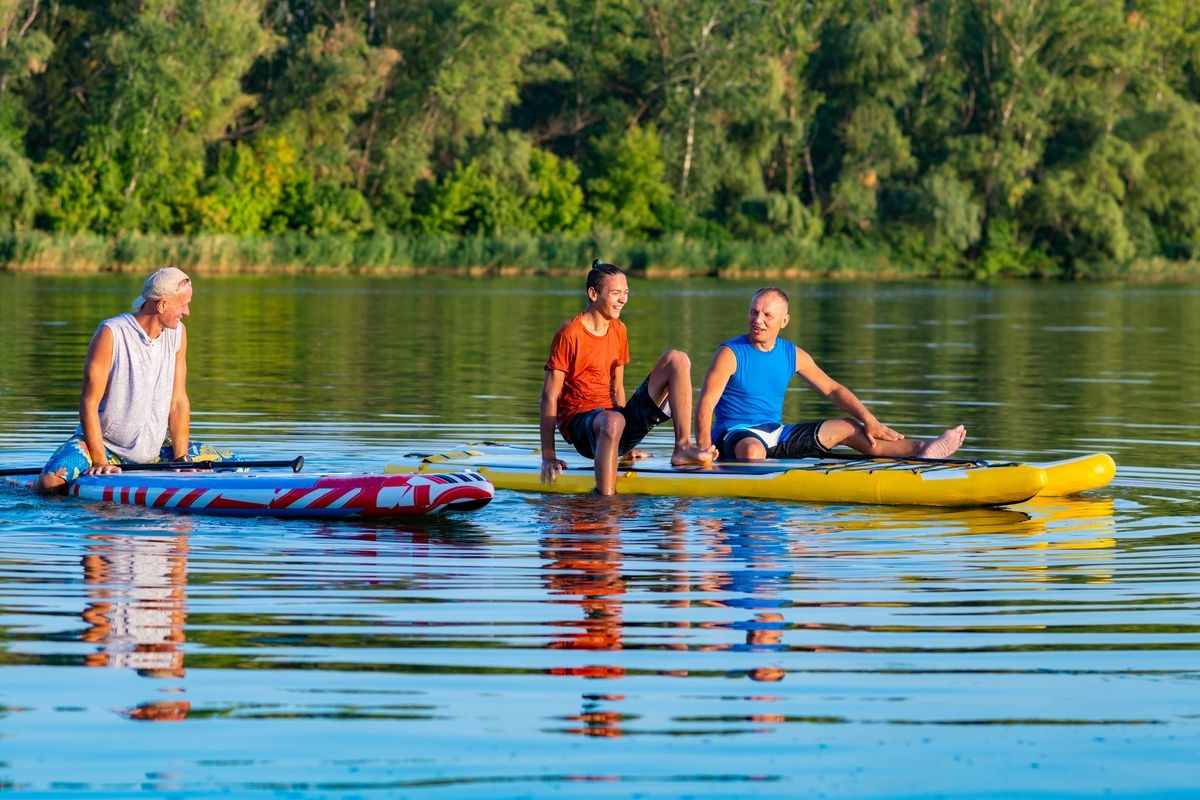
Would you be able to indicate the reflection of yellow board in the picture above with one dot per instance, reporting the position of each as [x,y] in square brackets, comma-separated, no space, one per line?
[947,482]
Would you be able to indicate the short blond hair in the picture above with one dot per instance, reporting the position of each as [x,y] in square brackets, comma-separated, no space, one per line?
[775,290]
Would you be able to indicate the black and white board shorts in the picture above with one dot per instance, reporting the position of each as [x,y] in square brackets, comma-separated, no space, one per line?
[798,440]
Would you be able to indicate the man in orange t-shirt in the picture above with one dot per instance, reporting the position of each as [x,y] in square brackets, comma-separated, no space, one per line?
[584,392]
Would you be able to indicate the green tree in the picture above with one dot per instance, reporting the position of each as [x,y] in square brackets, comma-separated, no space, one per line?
[172,86]
[701,51]
[554,200]
[952,215]
[1081,204]
[1047,78]
[257,188]
[24,51]
[974,136]
[464,63]
[1167,36]
[870,63]
[630,191]
[1163,126]
[790,35]
[509,187]
[328,82]
[594,79]
[1163,199]
[18,190]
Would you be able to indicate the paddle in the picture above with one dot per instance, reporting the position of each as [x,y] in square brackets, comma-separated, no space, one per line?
[296,465]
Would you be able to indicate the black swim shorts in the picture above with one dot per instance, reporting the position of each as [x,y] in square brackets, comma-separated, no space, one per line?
[641,415]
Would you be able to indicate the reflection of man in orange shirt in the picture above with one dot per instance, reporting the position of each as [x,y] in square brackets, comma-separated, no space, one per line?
[584,563]
[584,569]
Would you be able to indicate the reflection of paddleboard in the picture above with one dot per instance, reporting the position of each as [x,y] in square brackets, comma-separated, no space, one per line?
[241,494]
[885,481]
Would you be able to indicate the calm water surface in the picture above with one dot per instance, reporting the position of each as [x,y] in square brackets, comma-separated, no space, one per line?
[639,647]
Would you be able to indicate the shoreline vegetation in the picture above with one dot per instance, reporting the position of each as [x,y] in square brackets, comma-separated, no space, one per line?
[474,256]
[1043,139]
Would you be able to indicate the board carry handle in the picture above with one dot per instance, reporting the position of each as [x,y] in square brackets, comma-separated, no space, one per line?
[296,464]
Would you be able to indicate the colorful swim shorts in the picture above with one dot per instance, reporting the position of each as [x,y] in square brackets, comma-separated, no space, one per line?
[71,459]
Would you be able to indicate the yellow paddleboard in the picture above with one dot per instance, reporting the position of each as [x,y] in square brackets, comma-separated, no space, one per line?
[1075,475]
[882,481]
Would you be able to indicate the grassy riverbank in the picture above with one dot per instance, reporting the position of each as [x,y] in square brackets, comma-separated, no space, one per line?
[524,255]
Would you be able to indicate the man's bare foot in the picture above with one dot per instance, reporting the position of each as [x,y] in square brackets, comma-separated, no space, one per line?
[634,455]
[944,445]
[691,455]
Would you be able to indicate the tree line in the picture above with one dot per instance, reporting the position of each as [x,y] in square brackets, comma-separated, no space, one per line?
[987,137]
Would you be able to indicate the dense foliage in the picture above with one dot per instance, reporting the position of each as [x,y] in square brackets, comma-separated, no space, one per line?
[981,137]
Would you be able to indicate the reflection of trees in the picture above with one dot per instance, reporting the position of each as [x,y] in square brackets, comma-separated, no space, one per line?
[137,606]
[359,330]
[996,348]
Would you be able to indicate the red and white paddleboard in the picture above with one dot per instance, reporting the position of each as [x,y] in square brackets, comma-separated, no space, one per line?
[247,494]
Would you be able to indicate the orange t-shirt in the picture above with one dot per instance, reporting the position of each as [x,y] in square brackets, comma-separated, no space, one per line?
[588,361]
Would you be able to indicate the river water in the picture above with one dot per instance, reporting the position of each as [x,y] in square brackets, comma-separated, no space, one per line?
[633,647]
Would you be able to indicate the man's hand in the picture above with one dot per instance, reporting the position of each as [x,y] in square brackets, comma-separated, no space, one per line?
[102,468]
[877,430]
[186,459]
[552,467]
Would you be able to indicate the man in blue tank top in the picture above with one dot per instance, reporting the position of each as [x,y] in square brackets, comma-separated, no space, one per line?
[741,404]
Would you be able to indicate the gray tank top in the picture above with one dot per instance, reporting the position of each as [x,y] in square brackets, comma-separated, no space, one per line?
[137,402]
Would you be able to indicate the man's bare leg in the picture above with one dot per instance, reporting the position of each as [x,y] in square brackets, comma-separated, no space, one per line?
[850,433]
[749,449]
[608,427]
[49,483]
[671,380]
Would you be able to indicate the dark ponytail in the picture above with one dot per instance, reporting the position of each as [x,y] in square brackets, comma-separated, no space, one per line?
[599,271]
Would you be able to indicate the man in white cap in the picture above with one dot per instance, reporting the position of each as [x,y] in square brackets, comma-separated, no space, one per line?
[134,405]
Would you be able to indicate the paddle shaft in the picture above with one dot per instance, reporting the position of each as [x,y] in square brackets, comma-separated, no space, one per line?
[296,464]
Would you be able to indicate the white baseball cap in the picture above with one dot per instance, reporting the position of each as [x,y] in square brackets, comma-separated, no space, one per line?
[161,284]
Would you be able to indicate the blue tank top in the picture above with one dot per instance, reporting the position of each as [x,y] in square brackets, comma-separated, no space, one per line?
[754,394]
